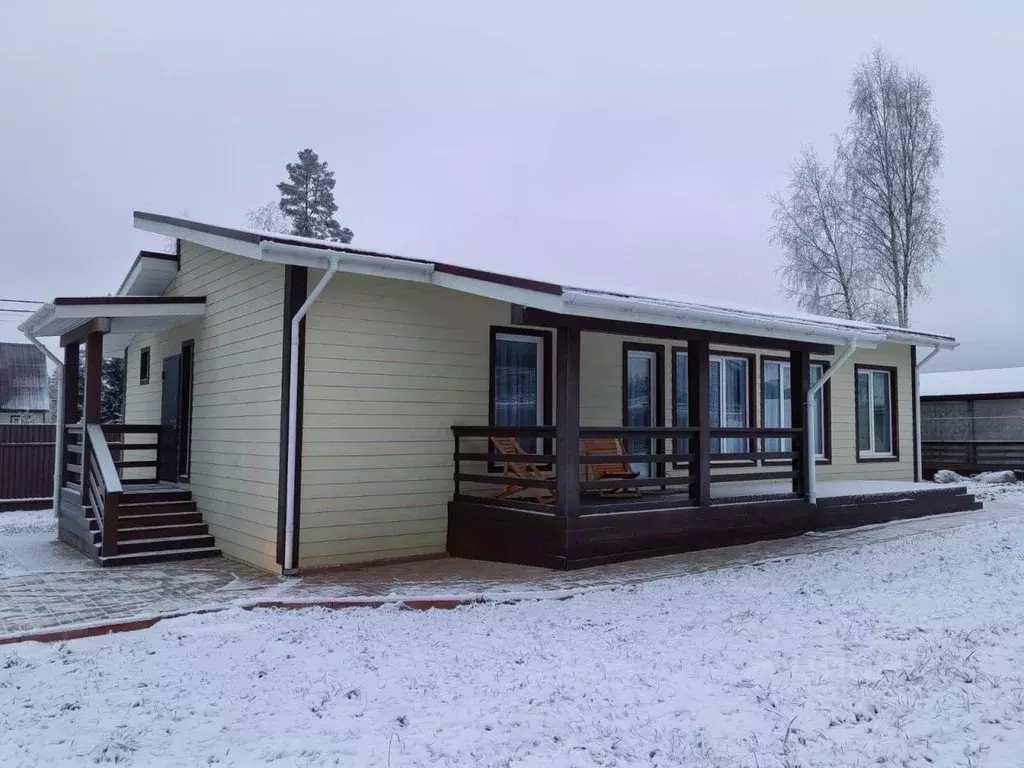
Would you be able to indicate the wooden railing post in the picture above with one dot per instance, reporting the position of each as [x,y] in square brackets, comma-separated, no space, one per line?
[567,423]
[699,383]
[111,510]
[803,444]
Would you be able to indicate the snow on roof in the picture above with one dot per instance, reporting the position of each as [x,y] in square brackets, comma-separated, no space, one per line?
[668,310]
[23,382]
[986,381]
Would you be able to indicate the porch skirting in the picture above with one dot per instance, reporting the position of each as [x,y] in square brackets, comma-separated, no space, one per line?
[484,529]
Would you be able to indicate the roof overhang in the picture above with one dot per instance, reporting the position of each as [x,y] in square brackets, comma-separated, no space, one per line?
[563,300]
[117,317]
[150,275]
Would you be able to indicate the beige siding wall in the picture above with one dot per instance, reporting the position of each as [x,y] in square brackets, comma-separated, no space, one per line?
[236,395]
[391,365]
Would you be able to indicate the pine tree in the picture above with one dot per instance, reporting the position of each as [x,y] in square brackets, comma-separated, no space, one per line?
[307,198]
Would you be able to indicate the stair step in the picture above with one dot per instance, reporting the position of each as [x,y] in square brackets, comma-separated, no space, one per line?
[141,558]
[166,542]
[155,507]
[161,531]
[147,497]
[157,519]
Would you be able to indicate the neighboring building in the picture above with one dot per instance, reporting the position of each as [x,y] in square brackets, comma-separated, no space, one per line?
[973,421]
[405,370]
[24,389]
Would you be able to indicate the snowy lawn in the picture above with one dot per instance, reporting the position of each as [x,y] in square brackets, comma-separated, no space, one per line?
[905,653]
[19,524]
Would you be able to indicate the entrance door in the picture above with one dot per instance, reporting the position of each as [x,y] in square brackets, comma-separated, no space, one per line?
[641,398]
[170,408]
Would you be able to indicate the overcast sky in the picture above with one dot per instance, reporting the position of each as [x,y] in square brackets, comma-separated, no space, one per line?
[629,145]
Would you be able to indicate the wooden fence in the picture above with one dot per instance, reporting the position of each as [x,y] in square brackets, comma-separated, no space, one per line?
[968,457]
[26,466]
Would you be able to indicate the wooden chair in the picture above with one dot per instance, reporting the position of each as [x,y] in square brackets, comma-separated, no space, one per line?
[611,470]
[524,469]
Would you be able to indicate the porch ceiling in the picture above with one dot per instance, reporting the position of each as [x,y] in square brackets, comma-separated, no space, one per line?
[118,317]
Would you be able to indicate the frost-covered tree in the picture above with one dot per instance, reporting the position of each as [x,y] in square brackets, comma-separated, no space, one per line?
[307,198]
[268,218]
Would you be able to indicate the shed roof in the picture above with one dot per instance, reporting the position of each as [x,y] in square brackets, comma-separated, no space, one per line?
[984,381]
[23,380]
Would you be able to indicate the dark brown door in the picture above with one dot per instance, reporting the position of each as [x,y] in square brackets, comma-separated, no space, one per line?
[170,413]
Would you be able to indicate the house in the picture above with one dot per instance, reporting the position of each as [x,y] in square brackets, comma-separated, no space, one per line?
[297,404]
[24,390]
[973,421]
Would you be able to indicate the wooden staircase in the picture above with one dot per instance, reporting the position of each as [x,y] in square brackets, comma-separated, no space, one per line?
[153,526]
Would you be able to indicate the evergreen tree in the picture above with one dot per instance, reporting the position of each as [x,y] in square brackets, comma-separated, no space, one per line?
[307,198]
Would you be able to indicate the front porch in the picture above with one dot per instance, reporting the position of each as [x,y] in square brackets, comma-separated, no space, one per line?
[696,485]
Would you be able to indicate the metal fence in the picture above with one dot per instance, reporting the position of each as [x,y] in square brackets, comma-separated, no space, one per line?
[26,465]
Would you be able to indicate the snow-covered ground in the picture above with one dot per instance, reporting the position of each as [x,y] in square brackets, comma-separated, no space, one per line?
[909,652]
[22,524]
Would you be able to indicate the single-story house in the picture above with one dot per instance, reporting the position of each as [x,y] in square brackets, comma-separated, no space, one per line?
[297,404]
[973,421]
[24,388]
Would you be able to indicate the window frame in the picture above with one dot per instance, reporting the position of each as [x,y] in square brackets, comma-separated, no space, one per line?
[826,407]
[658,351]
[544,376]
[870,457]
[751,359]
[145,362]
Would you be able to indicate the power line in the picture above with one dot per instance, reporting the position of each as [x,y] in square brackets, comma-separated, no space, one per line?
[21,301]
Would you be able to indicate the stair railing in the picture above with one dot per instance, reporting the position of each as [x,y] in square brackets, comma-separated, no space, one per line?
[102,487]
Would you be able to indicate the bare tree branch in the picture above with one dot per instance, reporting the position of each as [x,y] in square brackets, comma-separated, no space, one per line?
[268,218]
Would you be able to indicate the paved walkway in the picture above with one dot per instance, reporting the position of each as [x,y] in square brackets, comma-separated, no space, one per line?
[46,586]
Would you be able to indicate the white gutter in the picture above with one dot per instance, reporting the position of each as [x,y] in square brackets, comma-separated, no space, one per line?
[918,468]
[293,409]
[58,447]
[811,465]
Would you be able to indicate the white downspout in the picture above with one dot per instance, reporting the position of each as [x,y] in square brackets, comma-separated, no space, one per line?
[58,452]
[293,408]
[918,468]
[812,492]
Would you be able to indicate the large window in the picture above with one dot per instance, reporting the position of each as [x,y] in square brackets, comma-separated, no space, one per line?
[777,406]
[519,381]
[876,413]
[729,398]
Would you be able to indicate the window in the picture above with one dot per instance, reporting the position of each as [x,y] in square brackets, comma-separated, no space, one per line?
[17,418]
[519,381]
[729,399]
[777,406]
[876,413]
[681,397]
[144,366]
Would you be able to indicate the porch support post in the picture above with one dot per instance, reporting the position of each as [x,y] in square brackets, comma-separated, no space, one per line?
[567,424]
[70,385]
[698,371]
[803,445]
[91,406]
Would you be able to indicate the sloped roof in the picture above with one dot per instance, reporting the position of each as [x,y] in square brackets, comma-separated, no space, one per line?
[23,381]
[985,381]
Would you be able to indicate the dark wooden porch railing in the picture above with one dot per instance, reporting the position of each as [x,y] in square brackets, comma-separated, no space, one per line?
[101,487]
[689,473]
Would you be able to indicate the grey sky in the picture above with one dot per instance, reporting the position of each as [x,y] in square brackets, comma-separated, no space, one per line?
[622,145]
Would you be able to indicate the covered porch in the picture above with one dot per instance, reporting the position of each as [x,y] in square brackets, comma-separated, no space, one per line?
[544,495]
[113,519]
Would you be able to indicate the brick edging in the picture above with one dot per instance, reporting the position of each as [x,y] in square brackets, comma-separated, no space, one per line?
[132,625]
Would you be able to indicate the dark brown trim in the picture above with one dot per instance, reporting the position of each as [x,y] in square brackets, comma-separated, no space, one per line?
[145,356]
[126,300]
[188,349]
[79,333]
[826,408]
[913,412]
[961,398]
[567,427]
[158,255]
[494,277]
[546,372]
[894,396]
[659,401]
[539,317]
[296,284]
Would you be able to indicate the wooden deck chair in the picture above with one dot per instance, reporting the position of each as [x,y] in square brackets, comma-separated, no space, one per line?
[525,469]
[610,470]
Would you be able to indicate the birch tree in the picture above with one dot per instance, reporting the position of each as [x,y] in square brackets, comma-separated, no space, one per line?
[892,154]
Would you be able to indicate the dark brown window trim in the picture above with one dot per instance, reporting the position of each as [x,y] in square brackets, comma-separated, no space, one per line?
[145,360]
[659,402]
[547,379]
[676,351]
[751,358]
[826,407]
[894,396]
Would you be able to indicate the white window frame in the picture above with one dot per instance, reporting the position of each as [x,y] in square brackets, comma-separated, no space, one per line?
[538,342]
[720,361]
[784,416]
[872,453]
